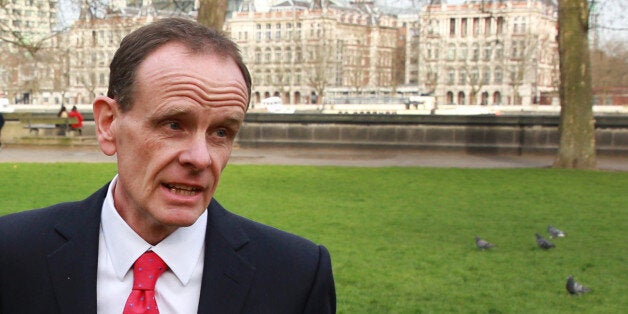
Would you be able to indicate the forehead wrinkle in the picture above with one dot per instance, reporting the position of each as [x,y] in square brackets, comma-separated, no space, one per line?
[204,90]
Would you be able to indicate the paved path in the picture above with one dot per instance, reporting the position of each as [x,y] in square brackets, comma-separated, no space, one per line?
[335,157]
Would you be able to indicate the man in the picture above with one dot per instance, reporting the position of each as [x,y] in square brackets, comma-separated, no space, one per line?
[1,126]
[177,97]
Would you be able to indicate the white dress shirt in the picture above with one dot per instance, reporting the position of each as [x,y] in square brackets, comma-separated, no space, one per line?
[177,290]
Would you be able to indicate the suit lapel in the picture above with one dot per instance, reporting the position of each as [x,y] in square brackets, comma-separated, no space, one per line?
[227,277]
[73,266]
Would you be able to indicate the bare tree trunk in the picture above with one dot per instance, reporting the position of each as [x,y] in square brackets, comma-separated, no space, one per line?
[212,13]
[577,126]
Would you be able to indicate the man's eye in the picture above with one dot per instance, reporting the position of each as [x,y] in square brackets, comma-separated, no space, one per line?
[174,125]
[221,133]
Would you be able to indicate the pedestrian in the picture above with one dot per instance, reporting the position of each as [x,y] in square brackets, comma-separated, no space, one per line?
[1,126]
[178,94]
[62,127]
[63,112]
[74,113]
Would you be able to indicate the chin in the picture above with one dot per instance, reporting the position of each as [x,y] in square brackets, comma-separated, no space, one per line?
[181,218]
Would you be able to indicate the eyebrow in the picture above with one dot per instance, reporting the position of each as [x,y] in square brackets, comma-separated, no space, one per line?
[232,119]
[170,112]
[235,119]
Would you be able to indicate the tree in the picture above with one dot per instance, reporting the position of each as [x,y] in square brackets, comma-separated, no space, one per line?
[576,147]
[321,61]
[357,71]
[609,70]
[524,64]
[212,13]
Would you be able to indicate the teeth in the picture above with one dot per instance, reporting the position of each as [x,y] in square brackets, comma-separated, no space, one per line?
[182,189]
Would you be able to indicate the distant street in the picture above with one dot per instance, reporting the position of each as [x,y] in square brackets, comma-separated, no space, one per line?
[323,157]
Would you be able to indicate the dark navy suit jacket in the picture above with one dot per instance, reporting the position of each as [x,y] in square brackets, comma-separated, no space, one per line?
[49,260]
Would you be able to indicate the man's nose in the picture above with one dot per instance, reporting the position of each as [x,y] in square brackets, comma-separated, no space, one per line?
[197,153]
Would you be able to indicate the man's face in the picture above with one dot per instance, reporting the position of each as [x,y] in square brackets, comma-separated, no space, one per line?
[175,141]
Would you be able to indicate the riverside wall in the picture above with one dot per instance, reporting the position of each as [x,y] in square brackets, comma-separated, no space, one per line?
[481,133]
[476,133]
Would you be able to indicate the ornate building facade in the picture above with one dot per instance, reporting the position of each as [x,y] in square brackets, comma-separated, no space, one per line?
[300,51]
[25,41]
[488,52]
[479,52]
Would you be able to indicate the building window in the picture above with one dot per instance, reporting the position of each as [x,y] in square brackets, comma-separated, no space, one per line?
[515,50]
[267,78]
[257,77]
[258,32]
[487,26]
[461,98]
[451,52]
[267,55]
[258,56]
[474,76]
[451,76]
[288,53]
[462,77]
[289,30]
[500,25]
[476,27]
[463,27]
[487,52]
[514,75]
[486,77]
[499,75]
[475,52]
[452,27]
[497,98]
[268,27]
[278,55]
[430,53]
[431,77]
[464,52]
[499,51]
[433,28]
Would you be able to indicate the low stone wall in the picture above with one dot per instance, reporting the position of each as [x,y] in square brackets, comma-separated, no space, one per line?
[491,134]
[14,132]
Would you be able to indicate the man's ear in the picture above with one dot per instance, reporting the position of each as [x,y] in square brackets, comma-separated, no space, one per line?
[106,111]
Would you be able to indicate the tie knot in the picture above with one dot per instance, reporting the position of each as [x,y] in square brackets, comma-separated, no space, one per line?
[146,270]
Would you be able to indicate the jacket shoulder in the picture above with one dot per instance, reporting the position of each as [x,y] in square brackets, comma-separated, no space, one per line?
[36,227]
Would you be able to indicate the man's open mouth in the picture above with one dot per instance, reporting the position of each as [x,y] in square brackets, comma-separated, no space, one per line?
[182,189]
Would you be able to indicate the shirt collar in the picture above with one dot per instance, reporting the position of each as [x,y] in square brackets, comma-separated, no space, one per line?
[125,246]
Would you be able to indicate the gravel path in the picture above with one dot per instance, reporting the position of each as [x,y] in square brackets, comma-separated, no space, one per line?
[326,157]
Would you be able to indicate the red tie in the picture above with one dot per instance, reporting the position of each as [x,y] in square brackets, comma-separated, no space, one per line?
[146,270]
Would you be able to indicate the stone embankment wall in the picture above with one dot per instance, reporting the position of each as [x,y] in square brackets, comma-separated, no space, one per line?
[491,134]
[497,134]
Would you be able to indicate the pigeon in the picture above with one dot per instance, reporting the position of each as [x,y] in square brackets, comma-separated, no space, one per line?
[575,288]
[554,232]
[543,243]
[482,244]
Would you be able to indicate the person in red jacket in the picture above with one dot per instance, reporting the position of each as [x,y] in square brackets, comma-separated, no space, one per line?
[74,113]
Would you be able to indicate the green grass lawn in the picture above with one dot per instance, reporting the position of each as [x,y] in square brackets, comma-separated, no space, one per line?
[402,239]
